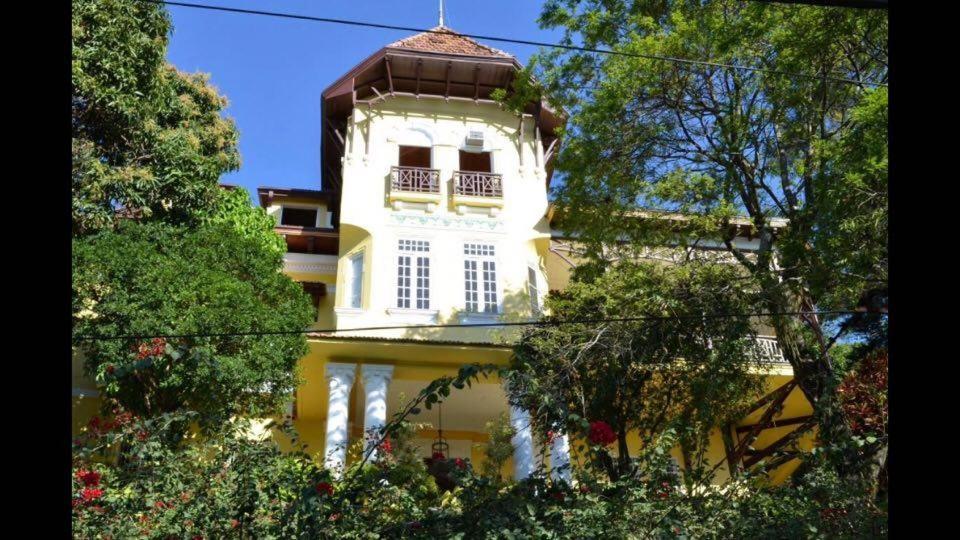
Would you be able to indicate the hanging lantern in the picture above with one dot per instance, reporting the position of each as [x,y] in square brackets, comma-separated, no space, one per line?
[440,445]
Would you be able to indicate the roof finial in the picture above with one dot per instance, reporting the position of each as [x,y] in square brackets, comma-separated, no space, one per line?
[441,12]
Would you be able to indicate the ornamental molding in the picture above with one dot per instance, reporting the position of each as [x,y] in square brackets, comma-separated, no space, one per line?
[447,222]
[314,264]
[341,372]
[373,372]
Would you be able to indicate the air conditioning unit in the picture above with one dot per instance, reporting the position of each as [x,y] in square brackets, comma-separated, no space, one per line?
[475,138]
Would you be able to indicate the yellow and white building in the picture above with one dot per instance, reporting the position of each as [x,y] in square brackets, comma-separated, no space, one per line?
[434,211]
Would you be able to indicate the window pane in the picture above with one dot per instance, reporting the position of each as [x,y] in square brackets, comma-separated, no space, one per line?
[533,291]
[470,284]
[356,280]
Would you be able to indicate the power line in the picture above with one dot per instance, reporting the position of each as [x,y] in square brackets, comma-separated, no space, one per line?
[473,325]
[706,63]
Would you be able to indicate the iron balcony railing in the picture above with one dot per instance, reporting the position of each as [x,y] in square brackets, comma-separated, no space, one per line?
[415,179]
[477,184]
[770,350]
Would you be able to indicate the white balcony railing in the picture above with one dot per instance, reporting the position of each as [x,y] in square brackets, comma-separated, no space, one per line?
[477,184]
[770,350]
[414,180]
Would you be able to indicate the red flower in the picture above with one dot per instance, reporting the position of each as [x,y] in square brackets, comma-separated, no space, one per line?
[324,487]
[584,488]
[234,523]
[89,478]
[601,433]
[551,436]
[460,463]
[334,517]
[142,435]
[386,447]
[110,369]
[89,494]
[439,455]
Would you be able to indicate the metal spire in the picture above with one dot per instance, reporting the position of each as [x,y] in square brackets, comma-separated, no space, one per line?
[441,12]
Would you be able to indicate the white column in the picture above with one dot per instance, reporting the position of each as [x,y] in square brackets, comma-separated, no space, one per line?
[522,443]
[339,380]
[376,378]
[560,457]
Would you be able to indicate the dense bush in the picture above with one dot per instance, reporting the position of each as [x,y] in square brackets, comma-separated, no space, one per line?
[131,482]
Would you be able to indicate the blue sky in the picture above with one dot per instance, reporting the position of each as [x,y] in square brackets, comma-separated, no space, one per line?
[273,70]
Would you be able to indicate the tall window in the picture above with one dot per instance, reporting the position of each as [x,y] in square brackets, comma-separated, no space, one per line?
[480,278]
[533,290]
[413,274]
[356,280]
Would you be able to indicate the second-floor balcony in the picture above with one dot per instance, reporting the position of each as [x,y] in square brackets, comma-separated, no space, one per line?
[416,185]
[481,190]
[477,184]
[414,180]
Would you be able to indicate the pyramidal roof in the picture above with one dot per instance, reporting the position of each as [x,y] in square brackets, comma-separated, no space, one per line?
[441,39]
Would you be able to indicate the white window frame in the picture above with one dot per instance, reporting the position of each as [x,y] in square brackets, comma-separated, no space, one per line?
[355,296]
[536,295]
[497,269]
[414,267]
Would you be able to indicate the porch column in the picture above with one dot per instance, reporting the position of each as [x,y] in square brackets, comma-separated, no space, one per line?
[339,380]
[560,457]
[522,443]
[376,378]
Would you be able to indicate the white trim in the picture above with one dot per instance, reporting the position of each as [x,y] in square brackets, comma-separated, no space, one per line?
[416,316]
[469,317]
[310,262]
[498,271]
[304,206]
[348,311]
[352,279]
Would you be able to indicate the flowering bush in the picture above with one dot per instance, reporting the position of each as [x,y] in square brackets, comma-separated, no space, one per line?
[601,433]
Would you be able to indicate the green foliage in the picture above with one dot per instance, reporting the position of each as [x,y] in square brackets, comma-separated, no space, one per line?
[684,368]
[147,139]
[715,143]
[498,448]
[225,484]
[157,279]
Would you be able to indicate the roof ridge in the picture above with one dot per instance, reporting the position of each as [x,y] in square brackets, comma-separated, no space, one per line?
[433,40]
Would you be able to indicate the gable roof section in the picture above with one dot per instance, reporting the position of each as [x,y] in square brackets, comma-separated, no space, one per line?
[442,39]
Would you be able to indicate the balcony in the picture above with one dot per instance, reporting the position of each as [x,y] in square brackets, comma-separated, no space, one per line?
[477,189]
[770,350]
[418,185]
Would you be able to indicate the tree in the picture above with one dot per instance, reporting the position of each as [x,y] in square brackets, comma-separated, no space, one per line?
[148,140]
[149,279]
[160,247]
[716,142]
[684,370]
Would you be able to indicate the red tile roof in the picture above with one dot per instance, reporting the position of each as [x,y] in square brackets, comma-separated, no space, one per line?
[441,39]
